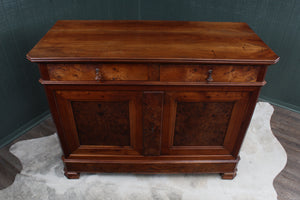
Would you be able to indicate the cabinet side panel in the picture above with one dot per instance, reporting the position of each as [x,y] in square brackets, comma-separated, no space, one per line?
[44,71]
[56,118]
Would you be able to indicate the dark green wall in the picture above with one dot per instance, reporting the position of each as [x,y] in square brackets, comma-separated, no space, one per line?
[24,22]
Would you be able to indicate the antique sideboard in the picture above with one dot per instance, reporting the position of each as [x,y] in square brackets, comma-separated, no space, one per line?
[151,96]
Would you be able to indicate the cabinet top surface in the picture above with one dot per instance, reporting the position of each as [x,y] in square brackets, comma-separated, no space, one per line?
[152,41]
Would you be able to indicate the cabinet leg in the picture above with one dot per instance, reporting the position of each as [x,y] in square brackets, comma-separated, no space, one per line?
[229,175]
[71,175]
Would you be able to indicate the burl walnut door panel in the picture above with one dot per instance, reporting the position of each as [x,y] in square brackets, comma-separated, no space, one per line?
[203,123]
[102,122]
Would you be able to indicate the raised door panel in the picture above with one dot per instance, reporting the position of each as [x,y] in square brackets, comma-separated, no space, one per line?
[100,122]
[202,123]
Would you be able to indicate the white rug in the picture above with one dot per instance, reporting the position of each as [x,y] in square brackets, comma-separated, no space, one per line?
[262,158]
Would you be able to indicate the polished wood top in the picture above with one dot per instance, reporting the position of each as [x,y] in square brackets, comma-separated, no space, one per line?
[152,41]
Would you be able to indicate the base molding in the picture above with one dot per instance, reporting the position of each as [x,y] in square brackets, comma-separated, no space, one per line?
[227,168]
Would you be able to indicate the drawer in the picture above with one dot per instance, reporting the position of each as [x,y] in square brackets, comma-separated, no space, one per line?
[88,72]
[200,73]
[153,72]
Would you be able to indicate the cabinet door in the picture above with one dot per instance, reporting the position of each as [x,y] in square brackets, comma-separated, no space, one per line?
[101,122]
[202,123]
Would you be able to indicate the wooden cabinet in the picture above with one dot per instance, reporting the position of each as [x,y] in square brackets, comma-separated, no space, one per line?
[151,96]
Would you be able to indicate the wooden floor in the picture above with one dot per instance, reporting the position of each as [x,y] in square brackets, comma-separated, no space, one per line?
[285,125]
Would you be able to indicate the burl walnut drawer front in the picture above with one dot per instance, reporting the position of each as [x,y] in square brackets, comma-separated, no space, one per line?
[215,73]
[89,72]
[153,72]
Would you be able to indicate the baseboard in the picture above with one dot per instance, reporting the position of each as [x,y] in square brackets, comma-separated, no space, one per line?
[24,128]
[281,104]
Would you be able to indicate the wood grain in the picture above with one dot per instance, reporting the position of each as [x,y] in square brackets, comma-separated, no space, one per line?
[83,118]
[152,41]
[152,72]
[102,123]
[201,123]
[235,102]
[156,167]
[174,108]
[199,73]
[73,72]
[152,122]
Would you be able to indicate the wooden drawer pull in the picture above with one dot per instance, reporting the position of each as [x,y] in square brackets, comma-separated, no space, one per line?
[209,77]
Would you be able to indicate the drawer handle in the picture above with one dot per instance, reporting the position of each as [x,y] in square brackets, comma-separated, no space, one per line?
[98,75]
[209,77]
